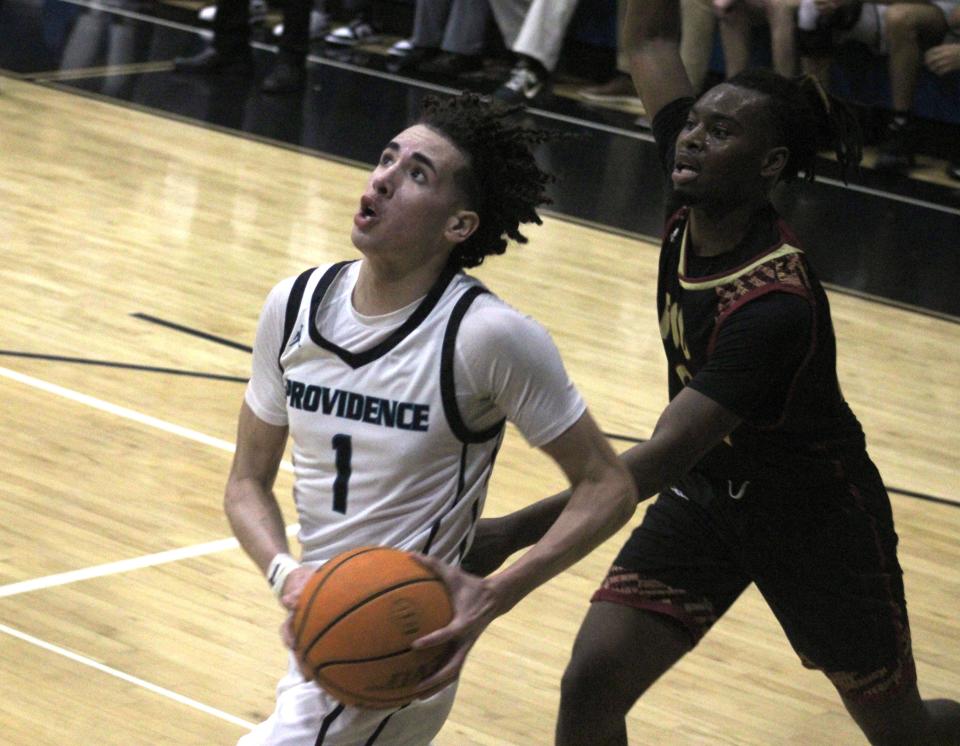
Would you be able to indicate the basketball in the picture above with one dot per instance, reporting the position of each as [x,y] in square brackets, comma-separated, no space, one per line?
[356,618]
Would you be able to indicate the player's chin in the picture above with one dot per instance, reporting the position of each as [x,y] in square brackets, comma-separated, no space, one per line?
[686,196]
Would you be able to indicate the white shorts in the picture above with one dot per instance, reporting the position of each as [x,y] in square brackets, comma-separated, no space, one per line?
[306,715]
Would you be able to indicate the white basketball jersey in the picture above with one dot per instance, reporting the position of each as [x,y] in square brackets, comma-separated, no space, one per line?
[381,453]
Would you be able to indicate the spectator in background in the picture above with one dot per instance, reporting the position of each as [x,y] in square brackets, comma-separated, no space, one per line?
[448,37]
[736,18]
[944,59]
[905,32]
[230,51]
[534,31]
[357,31]
[697,28]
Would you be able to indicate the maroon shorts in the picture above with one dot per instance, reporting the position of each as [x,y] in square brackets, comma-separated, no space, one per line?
[823,557]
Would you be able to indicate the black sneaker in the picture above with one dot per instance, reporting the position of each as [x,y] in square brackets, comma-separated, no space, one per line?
[896,151]
[288,76]
[214,62]
[526,82]
[451,65]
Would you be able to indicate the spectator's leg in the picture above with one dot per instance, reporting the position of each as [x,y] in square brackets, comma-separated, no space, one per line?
[429,22]
[697,27]
[466,31]
[735,35]
[509,15]
[910,28]
[543,30]
[782,17]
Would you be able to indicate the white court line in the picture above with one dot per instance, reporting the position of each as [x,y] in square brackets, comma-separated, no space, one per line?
[111,568]
[130,414]
[127,677]
[135,563]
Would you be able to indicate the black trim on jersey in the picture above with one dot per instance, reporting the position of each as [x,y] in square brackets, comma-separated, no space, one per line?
[293,309]
[476,503]
[461,479]
[448,391]
[327,722]
[379,730]
[359,359]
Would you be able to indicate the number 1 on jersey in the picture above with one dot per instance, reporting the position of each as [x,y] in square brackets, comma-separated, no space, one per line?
[343,447]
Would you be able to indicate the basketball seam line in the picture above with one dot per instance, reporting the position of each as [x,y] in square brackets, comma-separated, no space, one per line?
[356,553]
[367,599]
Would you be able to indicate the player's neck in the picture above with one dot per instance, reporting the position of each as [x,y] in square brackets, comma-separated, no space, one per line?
[382,288]
[717,231]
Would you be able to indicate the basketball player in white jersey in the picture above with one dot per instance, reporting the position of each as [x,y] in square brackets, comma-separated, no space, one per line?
[394,376]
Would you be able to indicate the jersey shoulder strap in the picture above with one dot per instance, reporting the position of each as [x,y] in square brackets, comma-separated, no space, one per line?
[293,308]
[448,389]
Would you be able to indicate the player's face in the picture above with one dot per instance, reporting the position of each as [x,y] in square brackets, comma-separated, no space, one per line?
[411,201]
[720,151]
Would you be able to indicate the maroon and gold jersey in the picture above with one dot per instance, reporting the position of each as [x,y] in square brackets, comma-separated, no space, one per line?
[752,331]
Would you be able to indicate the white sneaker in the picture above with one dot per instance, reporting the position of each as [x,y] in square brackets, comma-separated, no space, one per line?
[524,85]
[402,48]
[258,12]
[355,32]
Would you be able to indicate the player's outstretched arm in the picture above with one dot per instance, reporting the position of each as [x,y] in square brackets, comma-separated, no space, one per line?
[690,426]
[652,35]
[602,500]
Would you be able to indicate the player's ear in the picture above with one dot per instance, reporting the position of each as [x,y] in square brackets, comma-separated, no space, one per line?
[775,161]
[461,225]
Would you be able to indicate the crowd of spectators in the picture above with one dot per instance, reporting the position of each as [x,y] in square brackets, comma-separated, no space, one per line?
[455,38]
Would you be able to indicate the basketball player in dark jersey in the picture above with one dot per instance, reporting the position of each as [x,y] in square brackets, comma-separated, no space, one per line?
[761,467]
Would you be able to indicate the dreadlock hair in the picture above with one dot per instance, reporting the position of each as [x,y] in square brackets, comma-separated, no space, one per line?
[806,120]
[501,182]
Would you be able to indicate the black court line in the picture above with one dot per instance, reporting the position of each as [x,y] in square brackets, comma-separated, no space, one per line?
[194,332]
[123,366]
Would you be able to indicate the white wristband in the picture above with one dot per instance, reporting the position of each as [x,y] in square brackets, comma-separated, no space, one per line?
[280,566]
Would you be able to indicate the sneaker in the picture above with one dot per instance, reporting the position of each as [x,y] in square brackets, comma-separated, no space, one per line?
[618,90]
[211,61]
[402,48]
[319,23]
[413,59]
[953,170]
[895,152]
[524,85]
[258,12]
[287,76]
[355,32]
[451,65]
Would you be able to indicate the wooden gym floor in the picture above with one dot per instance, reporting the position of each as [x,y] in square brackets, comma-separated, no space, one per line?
[136,253]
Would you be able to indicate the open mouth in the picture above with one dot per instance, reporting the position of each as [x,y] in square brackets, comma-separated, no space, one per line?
[366,214]
[684,171]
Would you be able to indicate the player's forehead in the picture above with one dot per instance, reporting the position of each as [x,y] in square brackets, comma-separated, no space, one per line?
[731,102]
[420,141]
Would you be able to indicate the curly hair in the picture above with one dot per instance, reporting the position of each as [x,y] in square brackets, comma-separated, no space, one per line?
[502,181]
[806,119]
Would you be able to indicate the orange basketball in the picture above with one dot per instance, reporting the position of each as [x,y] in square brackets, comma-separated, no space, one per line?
[356,618]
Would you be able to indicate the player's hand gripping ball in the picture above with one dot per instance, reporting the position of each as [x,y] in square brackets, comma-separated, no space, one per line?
[356,618]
